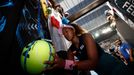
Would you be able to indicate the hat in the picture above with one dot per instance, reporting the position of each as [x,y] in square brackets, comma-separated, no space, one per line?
[66,14]
[109,12]
[64,26]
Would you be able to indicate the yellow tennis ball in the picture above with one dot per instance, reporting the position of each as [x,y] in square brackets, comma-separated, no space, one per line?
[35,54]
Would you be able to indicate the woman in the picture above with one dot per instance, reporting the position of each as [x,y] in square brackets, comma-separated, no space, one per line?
[90,55]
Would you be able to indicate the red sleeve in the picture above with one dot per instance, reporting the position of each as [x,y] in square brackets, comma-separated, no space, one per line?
[55,22]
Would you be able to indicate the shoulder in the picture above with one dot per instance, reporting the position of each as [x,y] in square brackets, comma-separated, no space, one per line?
[127,45]
[124,44]
[87,39]
[87,36]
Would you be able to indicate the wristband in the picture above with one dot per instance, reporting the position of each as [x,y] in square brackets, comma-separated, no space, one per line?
[69,64]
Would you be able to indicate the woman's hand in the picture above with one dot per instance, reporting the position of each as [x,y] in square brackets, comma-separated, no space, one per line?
[58,63]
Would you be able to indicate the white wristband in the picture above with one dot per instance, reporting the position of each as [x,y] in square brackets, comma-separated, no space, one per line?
[69,64]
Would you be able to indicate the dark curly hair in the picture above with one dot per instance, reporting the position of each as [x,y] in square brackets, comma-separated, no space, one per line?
[78,30]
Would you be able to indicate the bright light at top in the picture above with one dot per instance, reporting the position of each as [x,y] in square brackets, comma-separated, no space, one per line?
[106,30]
[96,34]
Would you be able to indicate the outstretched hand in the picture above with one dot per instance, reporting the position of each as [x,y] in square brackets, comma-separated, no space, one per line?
[58,63]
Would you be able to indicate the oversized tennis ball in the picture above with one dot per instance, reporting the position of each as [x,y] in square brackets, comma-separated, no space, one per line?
[35,54]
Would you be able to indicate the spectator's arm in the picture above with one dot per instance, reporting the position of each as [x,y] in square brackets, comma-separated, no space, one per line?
[131,55]
[130,52]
